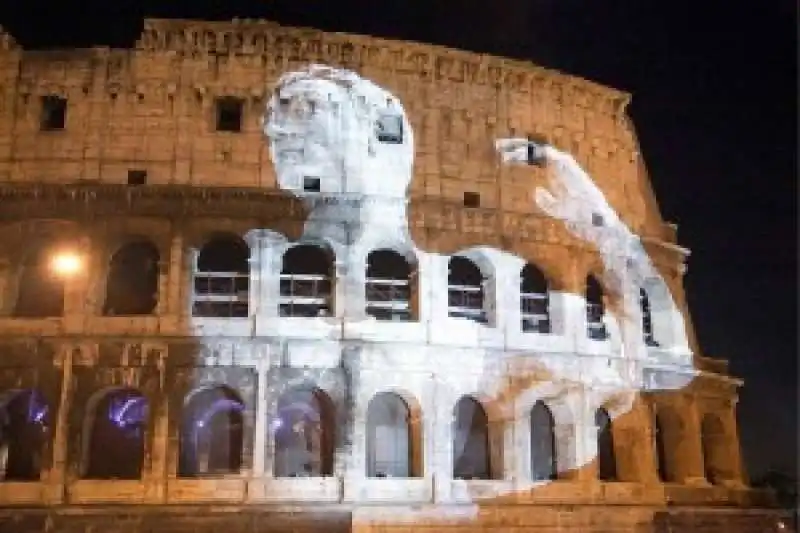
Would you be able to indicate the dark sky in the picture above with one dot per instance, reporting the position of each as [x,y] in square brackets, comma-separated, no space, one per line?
[715,106]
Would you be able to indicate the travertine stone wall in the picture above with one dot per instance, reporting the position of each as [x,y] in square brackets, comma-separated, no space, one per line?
[152,108]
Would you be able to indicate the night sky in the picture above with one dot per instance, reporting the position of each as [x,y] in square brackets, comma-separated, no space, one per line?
[714,88]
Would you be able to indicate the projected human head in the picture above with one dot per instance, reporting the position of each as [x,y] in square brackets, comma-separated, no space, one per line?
[332,132]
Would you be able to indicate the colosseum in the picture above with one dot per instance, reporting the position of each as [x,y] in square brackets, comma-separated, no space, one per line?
[201,330]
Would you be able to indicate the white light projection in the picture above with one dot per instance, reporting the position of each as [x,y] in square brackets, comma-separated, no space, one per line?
[345,146]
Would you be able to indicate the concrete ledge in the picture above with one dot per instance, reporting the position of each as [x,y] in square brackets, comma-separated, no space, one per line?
[106,491]
[206,490]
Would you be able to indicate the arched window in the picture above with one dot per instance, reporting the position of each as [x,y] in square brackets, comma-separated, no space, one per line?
[388,286]
[25,424]
[543,443]
[534,300]
[222,279]
[647,319]
[40,291]
[304,430]
[211,437]
[132,283]
[116,436]
[606,458]
[470,441]
[306,288]
[390,438]
[595,310]
[714,444]
[465,290]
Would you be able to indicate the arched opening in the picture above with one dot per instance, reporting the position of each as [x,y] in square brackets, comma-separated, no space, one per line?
[390,438]
[388,286]
[595,328]
[647,319]
[543,443]
[465,292]
[306,288]
[714,445]
[222,279]
[534,300]
[40,291]
[471,459]
[116,436]
[211,439]
[659,437]
[25,424]
[606,458]
[132,283]
[304,429]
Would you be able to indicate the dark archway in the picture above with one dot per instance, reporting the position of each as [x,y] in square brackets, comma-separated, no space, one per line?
[543,443]
[534,300]
[471,453]
[211,440]
[606,457]
[305,433]
[714,446]
[40,291]
[595,309]
[389,286]
[465,292]
[390,438]
[25,419]
[132,282]
[306,281]
[222,279]
[116,433]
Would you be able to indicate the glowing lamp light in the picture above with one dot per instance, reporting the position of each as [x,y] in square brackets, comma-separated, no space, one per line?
[66,264]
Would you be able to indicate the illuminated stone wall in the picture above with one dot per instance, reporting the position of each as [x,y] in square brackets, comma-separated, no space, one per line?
[153,109]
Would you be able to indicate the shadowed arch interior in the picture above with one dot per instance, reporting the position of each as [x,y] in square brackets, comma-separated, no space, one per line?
[534,300]
[40,291]
[392,443]
[304,430]
[471,454]
[714,446]
[606,458]
[24,430]
[222,278]
[116,429]
[595,309]
[465,291]
[543,443]
[132,282]
[211,438]
[306,281]
[389,286]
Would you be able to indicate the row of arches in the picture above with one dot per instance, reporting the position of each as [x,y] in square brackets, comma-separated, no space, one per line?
[221,287]
[304,432]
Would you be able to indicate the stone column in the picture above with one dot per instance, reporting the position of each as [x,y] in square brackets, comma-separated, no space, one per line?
[173,294]
[690,458]
[155,477]
[6,272]
[733,464]
[261,424]
[56,477]
[77,289]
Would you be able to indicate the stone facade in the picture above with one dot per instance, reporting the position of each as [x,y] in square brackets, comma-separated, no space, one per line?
[140,156]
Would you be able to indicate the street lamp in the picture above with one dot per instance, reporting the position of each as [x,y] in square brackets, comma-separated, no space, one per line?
[65,264]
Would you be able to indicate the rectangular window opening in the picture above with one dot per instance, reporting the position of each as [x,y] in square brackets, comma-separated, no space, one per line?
[472,199]
[137,177]
[229,114]
[311,184]
[54,113]
[389,129]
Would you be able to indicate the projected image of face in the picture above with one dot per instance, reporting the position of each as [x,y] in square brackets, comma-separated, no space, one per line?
[332,132]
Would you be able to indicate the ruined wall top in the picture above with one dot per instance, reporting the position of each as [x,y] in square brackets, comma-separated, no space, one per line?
[7,41]
[253,37]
